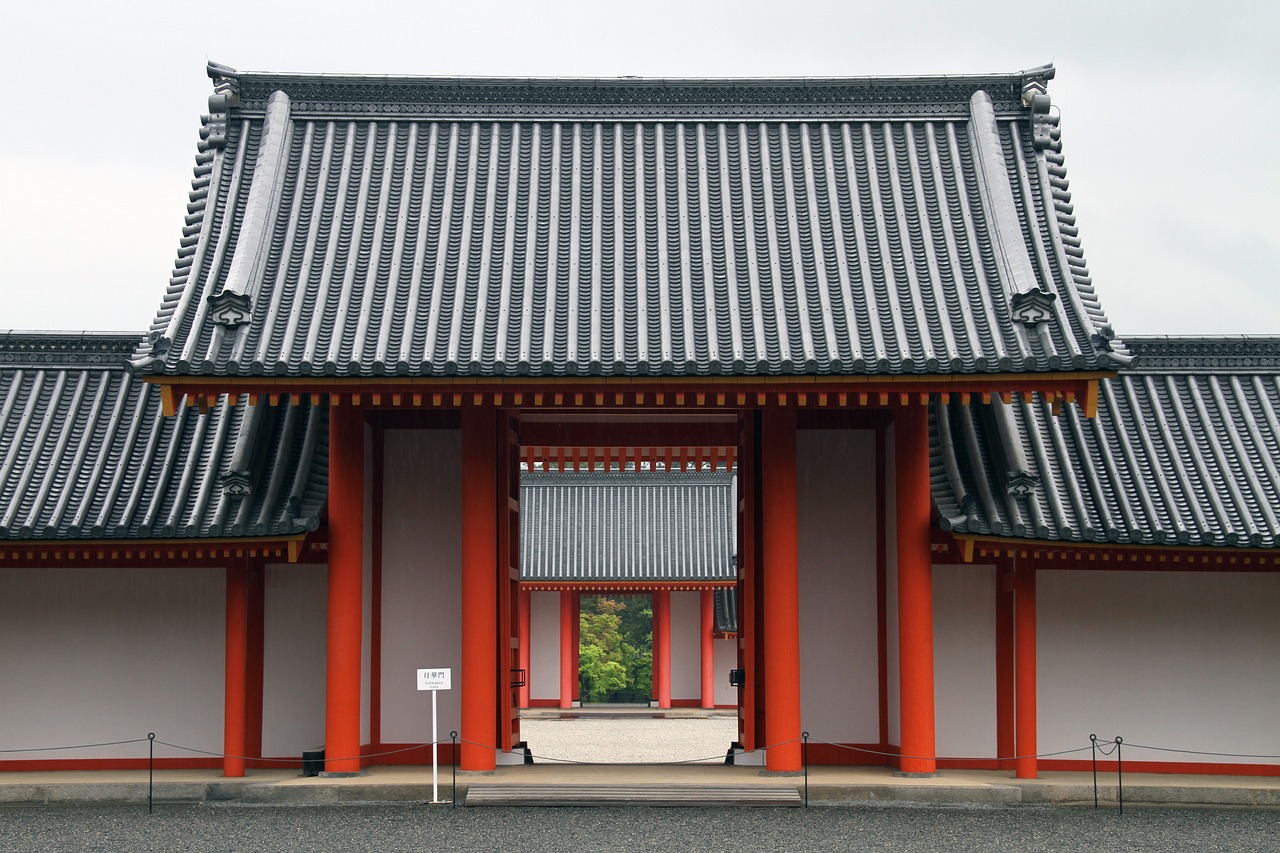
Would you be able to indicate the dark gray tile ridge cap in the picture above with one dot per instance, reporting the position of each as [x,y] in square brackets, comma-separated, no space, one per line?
[1205,353]
[626,97]
[86,349]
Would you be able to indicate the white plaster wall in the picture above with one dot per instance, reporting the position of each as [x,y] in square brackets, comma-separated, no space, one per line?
[421,579]
[93,655]
[964,660]
[686,645]
[893,688]
[726,658]
[293,659]
[1182,660]
[839,679]
[544,648]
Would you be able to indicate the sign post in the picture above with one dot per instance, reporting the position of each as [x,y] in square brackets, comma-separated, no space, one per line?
[435,680]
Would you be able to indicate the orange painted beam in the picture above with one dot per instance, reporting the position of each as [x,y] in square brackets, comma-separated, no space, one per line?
[781,593]
[915,592]
[479,728]
[346,576]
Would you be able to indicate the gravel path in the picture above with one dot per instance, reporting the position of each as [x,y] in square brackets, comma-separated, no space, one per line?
[631,740]
[206,829]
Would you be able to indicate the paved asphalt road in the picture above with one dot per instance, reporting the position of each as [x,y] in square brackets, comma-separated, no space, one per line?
[431,828]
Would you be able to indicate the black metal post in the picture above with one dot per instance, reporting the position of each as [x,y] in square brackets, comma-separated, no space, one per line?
[453,797]
[804,750]
[1120,772]
[1093,743]
[151,771]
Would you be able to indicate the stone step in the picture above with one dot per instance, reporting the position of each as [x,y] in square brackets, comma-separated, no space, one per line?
[685,796]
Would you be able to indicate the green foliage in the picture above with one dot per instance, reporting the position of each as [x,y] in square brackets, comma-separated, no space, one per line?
[616,648]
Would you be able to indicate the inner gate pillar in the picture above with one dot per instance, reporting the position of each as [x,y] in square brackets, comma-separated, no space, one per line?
[915,591]
[479,728]
[781,598]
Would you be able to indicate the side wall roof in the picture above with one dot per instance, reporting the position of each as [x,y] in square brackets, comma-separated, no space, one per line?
[1185,450]
[434,227]
[85,452]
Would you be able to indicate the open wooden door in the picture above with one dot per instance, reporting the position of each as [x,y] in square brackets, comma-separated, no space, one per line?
[511,676]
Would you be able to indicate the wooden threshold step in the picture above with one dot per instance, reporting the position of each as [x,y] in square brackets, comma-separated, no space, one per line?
[633,795]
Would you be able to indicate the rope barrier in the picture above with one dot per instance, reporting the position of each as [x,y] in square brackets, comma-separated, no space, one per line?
[1106,747]
[76,746]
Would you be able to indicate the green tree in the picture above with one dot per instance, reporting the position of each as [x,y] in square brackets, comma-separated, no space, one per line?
[615,649]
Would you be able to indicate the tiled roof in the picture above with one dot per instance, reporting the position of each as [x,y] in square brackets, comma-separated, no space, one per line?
[366,226]
[85,452]
[1185,450]
[726,607]
[627,526]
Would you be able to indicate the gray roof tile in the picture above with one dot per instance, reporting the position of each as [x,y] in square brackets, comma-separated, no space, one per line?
[1185,450]
[85,452]
[627,526]
[429,227]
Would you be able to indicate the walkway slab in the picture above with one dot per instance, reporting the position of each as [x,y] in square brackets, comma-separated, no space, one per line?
[634,795]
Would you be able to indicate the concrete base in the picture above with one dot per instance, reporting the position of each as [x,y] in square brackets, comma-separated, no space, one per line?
[828,786]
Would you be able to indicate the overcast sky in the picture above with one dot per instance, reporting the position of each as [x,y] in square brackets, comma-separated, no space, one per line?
[1169,117]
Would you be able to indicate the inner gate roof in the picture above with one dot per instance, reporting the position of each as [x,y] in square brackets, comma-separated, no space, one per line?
[429,227]
[627,527]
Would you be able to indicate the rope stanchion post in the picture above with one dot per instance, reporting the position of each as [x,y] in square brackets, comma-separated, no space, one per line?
[151,771]
[804,755]
[1093,746]
[453,794]
[1120,772]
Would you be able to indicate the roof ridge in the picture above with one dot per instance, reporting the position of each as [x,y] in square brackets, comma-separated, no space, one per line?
[623,97]
[66,348]
[1205,353]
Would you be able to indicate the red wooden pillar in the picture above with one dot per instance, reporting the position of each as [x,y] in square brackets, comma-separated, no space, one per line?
[346,578]
[479,588]
[781,594]
[662,647]
[708,649]
[525,638]
[1006,745]
[576,646]
[234,715]
[568,671]
[915,590]
[254,660]
[1024,593]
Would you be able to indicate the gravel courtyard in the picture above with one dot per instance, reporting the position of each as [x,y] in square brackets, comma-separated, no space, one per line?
[382,828]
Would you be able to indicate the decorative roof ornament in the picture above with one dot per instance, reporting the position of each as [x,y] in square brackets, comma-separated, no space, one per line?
[1035,97]
[1101,341]
[1032,307]
[236,483]
[230,309]
[225,97]
[1021,483]
[159,343]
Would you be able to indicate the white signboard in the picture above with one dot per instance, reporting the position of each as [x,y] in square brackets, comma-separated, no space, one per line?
[434,679]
